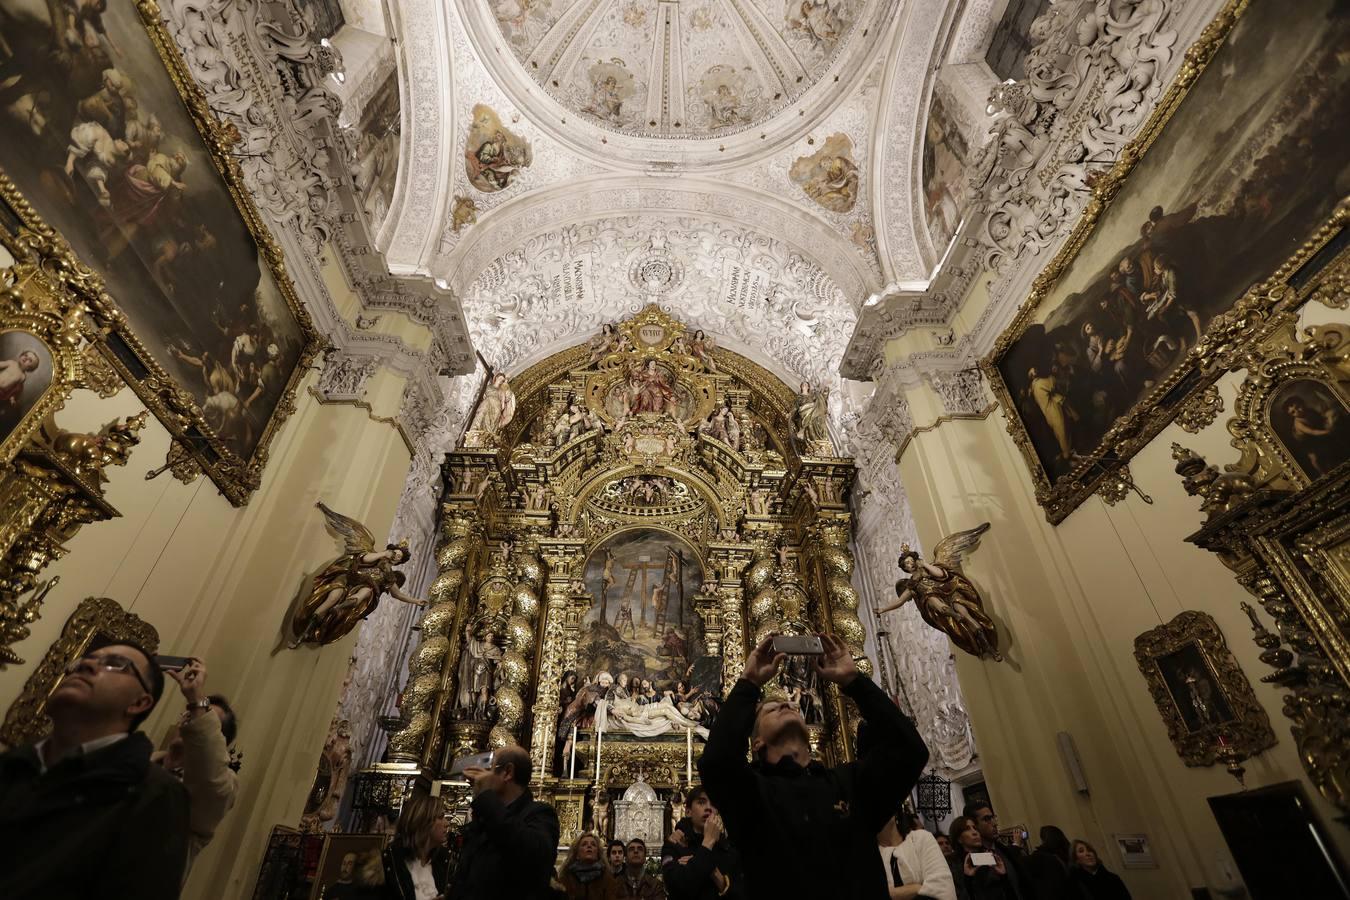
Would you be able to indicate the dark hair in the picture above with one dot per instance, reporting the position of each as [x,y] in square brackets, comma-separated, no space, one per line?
[695,792]
[638,841]
[960,824]
[972,808]
[906,822]
[519,761]
[1055,841]
[612,845]
[229,723]
[154,676]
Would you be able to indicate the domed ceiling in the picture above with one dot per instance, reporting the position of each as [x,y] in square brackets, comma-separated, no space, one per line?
[713,71]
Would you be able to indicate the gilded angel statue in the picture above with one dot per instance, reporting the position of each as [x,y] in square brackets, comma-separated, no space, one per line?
[349,588]
[946,598]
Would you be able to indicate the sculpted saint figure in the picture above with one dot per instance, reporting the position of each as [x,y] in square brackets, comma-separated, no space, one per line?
[497,407]
[349,588]
[649,390]
[946,598]
[810,413]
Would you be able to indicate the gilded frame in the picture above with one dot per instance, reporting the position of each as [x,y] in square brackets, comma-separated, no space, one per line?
[1252,316]
[31,303]
[1247,727]
[197,448]
[25,720]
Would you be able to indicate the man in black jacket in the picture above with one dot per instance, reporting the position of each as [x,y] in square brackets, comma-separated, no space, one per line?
[804,830]
[511,844]
[1020,884]
[84,811]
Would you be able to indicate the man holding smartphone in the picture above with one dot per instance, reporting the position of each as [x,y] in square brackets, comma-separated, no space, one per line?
[804,830]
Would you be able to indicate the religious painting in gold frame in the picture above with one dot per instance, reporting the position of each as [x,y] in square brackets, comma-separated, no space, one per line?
[125,175]
[40,362]
[1200,690]
[100,619]
[1194,236]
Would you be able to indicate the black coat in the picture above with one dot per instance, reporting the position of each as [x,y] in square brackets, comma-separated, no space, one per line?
[1100,885]
[811,832]
[508,851]
[693,880]
[107,823]
[398,883]
[1050,876]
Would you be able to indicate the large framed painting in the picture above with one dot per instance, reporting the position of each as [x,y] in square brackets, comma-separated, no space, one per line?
[109,144]
[1206,225]
[642,639]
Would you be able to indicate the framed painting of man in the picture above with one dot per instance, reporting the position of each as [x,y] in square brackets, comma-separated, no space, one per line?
[1197,232]
[185,288]
[1200,690]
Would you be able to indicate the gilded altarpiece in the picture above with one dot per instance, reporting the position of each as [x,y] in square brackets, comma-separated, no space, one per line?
[607,557]
[1279,518]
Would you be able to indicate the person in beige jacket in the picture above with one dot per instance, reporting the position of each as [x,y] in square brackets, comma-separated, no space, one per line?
[198,753]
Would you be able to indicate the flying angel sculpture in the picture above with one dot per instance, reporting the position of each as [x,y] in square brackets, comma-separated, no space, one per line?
[349,588]
[946,598]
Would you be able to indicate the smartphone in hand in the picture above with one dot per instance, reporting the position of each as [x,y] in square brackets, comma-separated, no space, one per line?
[983,859]
[798,645]
[173,663]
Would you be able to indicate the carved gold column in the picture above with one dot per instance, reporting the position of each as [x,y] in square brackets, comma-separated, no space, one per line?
[514,669]
[830,566]
[558,648]
[431,666]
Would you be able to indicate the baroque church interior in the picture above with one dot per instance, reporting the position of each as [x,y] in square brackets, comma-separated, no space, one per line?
[447,376]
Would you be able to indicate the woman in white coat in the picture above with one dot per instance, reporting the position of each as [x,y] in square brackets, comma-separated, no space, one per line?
[913,861]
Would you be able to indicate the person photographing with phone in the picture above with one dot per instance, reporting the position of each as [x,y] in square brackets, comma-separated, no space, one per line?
[198,751]
[512,841]
[804,830]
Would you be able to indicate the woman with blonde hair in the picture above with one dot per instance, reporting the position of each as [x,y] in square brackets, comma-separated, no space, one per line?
[416,862]
[583,875]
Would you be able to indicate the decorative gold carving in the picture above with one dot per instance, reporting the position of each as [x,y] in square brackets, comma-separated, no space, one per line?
[1201,410]
[1263,308]
[95,617]
[52,488]
[1279,518]
[1204,698]
[99,376]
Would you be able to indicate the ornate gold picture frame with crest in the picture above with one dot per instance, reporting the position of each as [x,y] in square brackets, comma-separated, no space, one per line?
[122,185]
[100,619]
[1204,698]
[1201,230]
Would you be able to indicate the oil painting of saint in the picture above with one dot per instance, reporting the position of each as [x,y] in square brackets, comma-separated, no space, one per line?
[110,158]
[25,374]
[944,157]
[830,175]
[1249,165]
[611,85]
[494,156]
[1313,424]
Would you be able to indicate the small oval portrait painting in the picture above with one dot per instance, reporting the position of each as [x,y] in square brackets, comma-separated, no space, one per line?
[1313,424]
[25,374]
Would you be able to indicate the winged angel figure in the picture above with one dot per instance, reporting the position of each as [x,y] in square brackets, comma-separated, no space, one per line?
[349,588]
[946,598]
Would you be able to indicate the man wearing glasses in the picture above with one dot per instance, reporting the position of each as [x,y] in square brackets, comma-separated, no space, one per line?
[1017,883]
[83,810]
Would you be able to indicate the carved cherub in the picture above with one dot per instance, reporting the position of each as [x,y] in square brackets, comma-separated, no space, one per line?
[946,598]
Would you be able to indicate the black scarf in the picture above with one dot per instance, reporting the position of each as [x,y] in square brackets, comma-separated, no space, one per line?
[586,872]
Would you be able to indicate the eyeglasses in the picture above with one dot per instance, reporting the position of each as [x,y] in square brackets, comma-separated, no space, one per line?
[110,662]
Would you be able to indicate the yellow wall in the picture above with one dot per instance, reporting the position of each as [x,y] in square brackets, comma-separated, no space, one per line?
[216,582]
[1069,602]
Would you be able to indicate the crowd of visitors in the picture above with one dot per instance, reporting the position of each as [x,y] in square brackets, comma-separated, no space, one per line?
[91,804]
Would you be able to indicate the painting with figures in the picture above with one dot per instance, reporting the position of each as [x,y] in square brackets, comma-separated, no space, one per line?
[1194,689]
[103,148]
[377,150]
[25,373]
[641,642]
[1313,424]
[1248,167]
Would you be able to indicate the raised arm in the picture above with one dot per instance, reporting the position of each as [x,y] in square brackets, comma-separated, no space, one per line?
[732,785]
[895,756]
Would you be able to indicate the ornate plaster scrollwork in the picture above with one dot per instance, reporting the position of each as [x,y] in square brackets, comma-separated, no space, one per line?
[1091,82]
[962,392]
[345,375]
